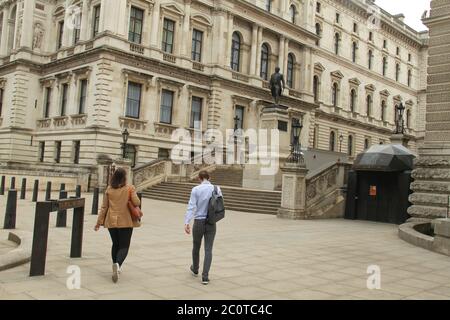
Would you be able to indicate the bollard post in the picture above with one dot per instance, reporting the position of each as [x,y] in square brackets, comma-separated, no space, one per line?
[48,191]
[61,217]
[2,186]
[13,183]
[23,189]
[139,194]
[10,213]
[78,191]
[40,238]
[95,202]
[35,191]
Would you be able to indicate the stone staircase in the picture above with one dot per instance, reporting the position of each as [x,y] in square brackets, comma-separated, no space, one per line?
[231,177]
[238,199]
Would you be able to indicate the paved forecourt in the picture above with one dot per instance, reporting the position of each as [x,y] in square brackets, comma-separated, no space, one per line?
[255,257]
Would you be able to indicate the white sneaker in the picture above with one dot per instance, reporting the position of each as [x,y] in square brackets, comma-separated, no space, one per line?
[115,275]
[120,270]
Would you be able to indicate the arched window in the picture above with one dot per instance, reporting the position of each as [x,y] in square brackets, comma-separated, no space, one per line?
[384,66]
[409,78]
[236,52]
[318,32]
[352,100]
[264,61]
[293,14]
[332,141]
[397,72]
[290,70]
[350,146]
[354,50]
[369,105]
[12,28]
[370,59]
[316,85]
[383,110]
[335,94]
[337,40]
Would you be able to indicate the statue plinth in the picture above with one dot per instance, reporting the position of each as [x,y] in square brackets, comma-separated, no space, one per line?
[293,199]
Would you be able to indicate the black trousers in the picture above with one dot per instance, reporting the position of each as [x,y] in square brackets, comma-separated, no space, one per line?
[121,239]
[202,230]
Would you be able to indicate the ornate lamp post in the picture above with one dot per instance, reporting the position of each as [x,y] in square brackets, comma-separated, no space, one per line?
[400,126]
[125,136]
[296,155]
[341,139]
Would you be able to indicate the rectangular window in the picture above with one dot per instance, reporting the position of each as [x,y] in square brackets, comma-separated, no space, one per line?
[168,36]
[384,44]
[318,7]
[96,20]
[166,106]
[1,102]
[76,152]
[41,153]
[355,27]
[133,100]
[77,29]
[239,117]
[197,43]
[48,96]
[83,96]
[282,126]
[136,23]
[131,154]
[60,33]
[338,17]
[57,151]
[196,113]
[64,94]
[409,57]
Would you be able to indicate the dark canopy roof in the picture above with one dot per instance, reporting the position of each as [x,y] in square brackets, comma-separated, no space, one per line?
[387,158]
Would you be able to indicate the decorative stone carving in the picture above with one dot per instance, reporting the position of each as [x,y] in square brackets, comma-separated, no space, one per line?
[38,35]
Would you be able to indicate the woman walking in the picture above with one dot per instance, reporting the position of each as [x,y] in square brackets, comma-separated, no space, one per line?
[115,216]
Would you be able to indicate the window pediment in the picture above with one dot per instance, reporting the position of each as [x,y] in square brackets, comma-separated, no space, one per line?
[337,75]
[355,81]
[370,87]
[385,93]
[173,8]
[202,19]
[319,68]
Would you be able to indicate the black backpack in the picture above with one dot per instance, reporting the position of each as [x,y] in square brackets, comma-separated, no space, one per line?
[216,208]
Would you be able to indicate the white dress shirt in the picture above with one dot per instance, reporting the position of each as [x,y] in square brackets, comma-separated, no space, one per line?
[198,203]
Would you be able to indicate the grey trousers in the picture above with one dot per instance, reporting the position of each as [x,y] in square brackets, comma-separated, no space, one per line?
[202,229]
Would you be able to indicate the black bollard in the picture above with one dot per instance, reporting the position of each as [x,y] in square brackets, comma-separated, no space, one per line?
[61,217]
[23,189]
[10,213]
[78,191]
[139,194]
[95,202]
[48,191]
[62,187]
[13,183]
[2,186]
[35,191]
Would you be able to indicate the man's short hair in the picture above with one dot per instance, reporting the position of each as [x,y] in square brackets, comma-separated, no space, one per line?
[203,175]
[277,69]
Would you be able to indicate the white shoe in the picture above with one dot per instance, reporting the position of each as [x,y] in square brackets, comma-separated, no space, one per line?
[115,275]
[120,270]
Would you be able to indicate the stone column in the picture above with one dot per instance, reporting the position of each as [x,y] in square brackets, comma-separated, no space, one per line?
[293,199]
[229,36]
[186,29]
[281,47]
[254,49]
[102,22]
[68,30]
[155,24]
[286,52]
[84,35]
[258,50]
[4,42]
[26,39]
[432,179]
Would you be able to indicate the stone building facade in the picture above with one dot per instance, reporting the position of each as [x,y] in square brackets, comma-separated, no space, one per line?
[75,73]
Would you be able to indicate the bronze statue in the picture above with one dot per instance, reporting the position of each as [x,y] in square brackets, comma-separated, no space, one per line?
[277,85]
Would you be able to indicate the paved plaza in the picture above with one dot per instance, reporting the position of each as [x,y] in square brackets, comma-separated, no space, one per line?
[255,257]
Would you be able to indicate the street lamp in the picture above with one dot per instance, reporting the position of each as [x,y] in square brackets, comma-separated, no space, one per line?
[125,136]
[400,128]
[296,154]
[341,139]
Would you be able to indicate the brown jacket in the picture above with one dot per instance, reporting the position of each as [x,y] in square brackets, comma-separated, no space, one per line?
[115,212]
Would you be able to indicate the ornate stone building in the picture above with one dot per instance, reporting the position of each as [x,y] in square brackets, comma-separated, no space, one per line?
[74,74]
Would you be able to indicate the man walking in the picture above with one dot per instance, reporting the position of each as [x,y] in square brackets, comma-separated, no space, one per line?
[198,209]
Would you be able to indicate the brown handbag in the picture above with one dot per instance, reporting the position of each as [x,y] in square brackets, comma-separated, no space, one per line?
[135,211]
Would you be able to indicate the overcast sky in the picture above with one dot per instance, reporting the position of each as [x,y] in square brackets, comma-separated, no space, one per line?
[412,9]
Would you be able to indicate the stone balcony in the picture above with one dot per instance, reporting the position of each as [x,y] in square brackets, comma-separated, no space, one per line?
[164,130]
[133,124]
[60,122]
[78,120]
[44,123]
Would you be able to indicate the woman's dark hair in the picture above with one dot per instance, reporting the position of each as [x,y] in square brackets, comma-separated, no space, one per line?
[203,175]
[119,178]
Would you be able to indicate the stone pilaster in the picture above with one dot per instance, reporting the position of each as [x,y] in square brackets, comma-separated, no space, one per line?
[293,199]
[155,23]
[432,177]
[4,42]
[26,39]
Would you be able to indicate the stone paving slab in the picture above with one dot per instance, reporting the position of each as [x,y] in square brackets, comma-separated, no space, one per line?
[255,257]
